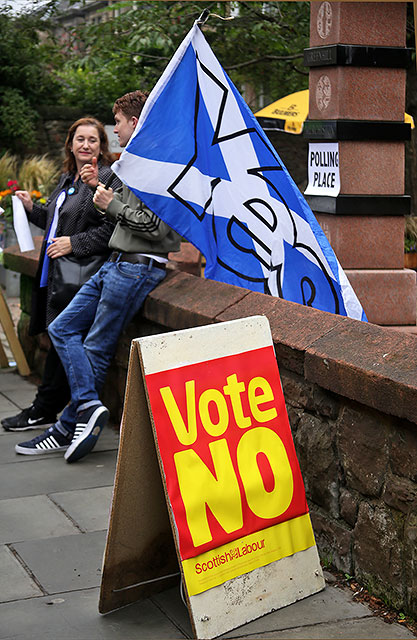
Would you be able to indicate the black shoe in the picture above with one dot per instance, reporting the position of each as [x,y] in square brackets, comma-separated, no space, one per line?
[87,430]
[30,418]
[49,441]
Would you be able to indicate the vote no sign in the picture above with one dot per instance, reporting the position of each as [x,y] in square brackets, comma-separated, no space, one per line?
[234,489]
[229,463]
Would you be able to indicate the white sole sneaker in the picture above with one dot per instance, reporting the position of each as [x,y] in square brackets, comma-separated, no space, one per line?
[86,434]
[50,441]
[43,426]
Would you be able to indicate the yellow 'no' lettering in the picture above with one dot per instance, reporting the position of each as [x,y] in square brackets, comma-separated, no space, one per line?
[220,492]
[198,487]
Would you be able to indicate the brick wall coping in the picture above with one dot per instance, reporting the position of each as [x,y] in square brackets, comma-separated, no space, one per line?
[27,262]
[187,259]
[361,361]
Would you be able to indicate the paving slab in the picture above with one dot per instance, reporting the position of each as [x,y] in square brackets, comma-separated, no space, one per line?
[7,406]
[170,602]
[31,518]
[74,616]
[364,628]
[108,441]
[11,380]
[22,398]
[50,473]
[67,563]
[90,508]
[15,582]
[329,614]
[316,609]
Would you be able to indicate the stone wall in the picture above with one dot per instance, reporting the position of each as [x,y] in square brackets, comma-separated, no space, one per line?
[351,393]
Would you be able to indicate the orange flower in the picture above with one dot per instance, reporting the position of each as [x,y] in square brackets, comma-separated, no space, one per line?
[35,194]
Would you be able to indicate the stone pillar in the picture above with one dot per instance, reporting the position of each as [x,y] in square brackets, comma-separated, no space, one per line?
[358,61]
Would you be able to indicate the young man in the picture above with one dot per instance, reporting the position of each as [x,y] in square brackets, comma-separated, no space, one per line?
[85,334]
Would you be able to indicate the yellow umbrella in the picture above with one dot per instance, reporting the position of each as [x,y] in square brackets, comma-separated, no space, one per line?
[289,113]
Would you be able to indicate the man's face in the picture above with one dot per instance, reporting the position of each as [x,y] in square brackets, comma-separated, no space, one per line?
[124,127]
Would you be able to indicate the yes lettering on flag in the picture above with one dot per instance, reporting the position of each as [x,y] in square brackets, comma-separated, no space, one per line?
[200,161]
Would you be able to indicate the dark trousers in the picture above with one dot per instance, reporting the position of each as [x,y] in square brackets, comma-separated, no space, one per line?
[54,393]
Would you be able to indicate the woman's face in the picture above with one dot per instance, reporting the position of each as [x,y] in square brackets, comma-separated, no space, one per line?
[85,144]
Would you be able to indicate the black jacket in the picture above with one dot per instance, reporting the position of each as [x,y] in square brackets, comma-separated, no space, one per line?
[88,229]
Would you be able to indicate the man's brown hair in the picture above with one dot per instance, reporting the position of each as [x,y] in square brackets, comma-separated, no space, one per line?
[131,104]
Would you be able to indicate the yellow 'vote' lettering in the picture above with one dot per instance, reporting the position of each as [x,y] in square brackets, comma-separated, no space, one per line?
[259,392]
[213,396]
[234,389]
[186,434]
[256,400]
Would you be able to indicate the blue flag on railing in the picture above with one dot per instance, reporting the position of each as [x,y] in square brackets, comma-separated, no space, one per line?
[200,161]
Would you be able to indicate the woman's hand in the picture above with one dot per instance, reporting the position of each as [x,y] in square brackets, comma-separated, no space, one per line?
[89,173]
[60,247]
[25,198]
[102,197]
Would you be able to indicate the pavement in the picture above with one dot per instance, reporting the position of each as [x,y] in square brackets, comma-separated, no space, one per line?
[53,523]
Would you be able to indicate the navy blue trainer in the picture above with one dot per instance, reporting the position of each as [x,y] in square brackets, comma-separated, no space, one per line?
[87,431]
[49,441]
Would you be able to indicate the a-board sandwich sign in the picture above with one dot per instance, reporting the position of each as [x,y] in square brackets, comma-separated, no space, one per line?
[232,480]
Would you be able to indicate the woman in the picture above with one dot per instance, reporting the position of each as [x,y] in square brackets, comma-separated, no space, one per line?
[73,226]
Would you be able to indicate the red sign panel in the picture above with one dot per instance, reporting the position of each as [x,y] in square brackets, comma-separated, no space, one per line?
[226,449]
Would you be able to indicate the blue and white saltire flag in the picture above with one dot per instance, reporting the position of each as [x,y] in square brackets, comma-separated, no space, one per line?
[200,161]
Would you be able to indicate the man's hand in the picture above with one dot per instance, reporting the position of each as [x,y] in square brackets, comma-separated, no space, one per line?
[60,247]
[25,198]
[89,173]
[102,197]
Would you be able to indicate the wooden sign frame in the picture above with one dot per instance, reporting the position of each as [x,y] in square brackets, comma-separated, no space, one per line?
[142,553]
[6,322]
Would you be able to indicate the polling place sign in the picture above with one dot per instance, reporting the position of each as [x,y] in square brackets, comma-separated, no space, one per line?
[323,169]
[233,486]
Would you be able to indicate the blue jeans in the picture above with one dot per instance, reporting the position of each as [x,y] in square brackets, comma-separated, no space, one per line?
[85,334]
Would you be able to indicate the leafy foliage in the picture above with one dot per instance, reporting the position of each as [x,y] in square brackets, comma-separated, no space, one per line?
[260,44]
[27,79]
[18,119]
